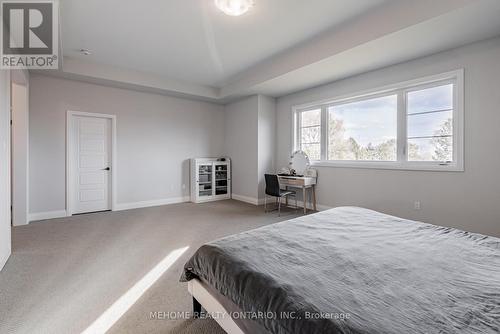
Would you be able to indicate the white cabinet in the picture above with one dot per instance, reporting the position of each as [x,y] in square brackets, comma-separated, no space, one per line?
[210,179]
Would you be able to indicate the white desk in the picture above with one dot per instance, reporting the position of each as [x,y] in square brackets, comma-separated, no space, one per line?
[303,182]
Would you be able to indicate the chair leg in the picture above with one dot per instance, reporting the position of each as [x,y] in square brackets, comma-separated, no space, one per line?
[279,207]
[265,203]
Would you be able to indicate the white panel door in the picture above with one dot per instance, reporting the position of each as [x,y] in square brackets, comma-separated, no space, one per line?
[91,164]
[5,230]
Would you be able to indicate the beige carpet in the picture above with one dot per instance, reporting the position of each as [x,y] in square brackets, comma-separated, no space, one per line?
[64,273]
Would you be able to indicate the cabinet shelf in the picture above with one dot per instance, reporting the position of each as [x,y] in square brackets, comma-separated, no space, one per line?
[210,180]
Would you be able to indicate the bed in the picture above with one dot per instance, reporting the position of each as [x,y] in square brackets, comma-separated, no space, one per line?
[350,270]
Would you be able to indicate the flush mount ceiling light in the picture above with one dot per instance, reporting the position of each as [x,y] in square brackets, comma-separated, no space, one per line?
[234,7]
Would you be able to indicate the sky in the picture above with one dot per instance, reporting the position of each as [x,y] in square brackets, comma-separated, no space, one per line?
[375,120]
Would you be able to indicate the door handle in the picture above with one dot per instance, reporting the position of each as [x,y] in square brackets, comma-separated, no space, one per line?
[107,168]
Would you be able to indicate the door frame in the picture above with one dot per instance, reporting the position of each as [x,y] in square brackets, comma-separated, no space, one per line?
[69,154]
[19,149]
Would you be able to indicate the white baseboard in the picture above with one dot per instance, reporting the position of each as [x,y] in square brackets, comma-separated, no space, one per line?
[147,204]
[5,257]
[319,207]
[254,201]
[120,206]
[165,201]
[46,215]
[300,204]
[246,199]
[322,207]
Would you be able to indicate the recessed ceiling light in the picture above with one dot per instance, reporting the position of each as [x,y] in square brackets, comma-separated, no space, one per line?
[85,52]
[234,7]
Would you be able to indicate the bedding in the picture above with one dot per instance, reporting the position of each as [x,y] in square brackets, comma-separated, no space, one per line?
[353,270]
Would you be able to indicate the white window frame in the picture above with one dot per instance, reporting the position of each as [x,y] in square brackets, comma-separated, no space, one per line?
[400,89]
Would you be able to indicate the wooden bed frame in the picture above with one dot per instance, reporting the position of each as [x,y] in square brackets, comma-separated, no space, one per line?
[203,297]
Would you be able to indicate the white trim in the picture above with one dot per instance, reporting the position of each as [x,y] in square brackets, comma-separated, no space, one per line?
[46,215]
[458,120]
[118,207]
[5,169]
[147,204]
[414,166]
[456,77]
[69,173]
[254,201]
[401,127]
[246,199]
[300,204]
[20,157]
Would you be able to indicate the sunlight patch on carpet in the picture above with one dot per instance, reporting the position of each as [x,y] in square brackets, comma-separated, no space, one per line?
[119,307]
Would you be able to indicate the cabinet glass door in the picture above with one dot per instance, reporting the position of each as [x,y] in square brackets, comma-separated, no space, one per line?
[205,180]
[221,180]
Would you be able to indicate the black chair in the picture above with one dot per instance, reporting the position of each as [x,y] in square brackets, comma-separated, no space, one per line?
[273,189]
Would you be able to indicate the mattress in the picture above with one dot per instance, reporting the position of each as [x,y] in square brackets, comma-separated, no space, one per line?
[353,270]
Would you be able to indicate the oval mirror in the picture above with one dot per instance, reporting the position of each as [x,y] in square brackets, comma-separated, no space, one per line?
[299,161]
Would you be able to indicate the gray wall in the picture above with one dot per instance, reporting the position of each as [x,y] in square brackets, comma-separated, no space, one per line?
[250,142]
[469,200]
[241,145]
[266,138]
[156,135]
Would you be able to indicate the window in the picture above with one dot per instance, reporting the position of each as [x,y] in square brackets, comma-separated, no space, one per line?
[430,124]
[364,130]
[310,133]
[412,125]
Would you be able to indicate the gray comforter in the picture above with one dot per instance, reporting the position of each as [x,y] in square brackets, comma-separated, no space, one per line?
[353,270]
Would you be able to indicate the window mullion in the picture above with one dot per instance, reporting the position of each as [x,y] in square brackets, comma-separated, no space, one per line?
[298,145]
[402,142]
[324,133]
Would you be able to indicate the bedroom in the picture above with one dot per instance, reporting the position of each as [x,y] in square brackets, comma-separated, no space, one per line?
[395,104]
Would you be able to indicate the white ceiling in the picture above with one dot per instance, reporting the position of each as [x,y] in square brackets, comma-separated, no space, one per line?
[189,48]
[191,40]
